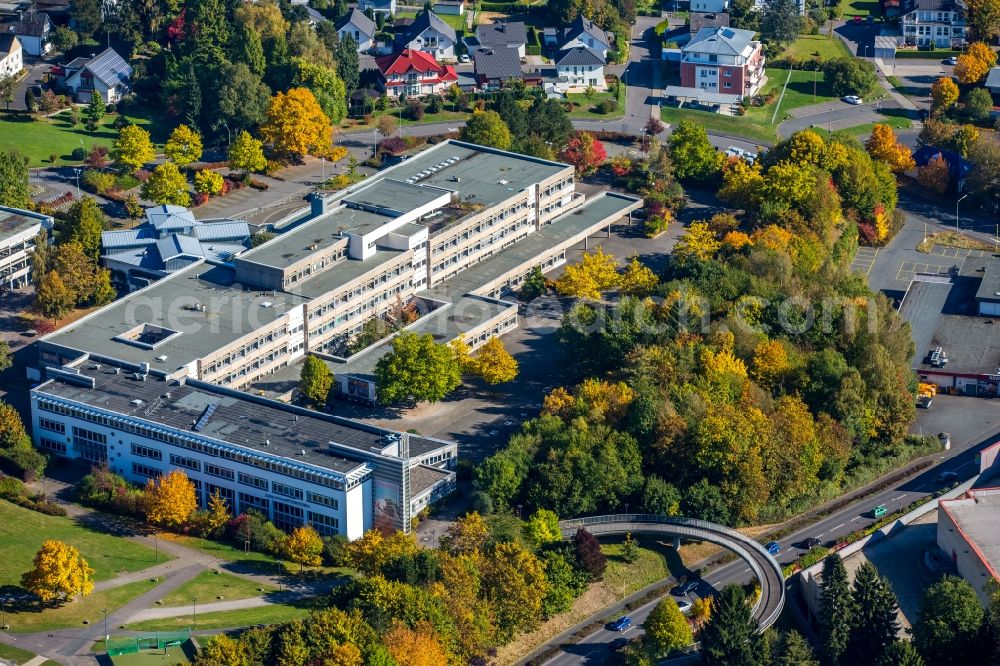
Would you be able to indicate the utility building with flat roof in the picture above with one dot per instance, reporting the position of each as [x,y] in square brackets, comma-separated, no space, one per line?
[968,531]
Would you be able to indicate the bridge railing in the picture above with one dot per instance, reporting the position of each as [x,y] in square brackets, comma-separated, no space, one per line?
[572,524]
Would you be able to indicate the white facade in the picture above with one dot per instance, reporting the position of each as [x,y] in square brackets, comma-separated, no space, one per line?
[589,41]
[941,29]
[582,76]
[432,41]
[364,40]
[12,61]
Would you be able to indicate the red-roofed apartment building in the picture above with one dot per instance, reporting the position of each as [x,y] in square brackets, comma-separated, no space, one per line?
[415,74]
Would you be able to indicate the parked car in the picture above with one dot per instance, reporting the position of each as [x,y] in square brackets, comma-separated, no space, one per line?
[684,605]
[774,548]
[945,439]
[879,511]
[464,58]
[684,588]
[622,623]
[733,151]
[951,61]
[852,99]
[811,543]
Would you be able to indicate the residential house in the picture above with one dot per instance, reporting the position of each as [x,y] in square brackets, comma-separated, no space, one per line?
[18,231]
[107,74]
[959,168]
[451,7]
[581,68]
[11,55]
[387,7]
[361,28]
[723,60]
[512,35]
[937,23]
[32,30]
[414,74]
[430,34]
[170,240]
[495,67]
[584,32]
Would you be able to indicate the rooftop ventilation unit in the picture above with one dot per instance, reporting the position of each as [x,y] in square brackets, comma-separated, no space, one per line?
[503,181]
[136,402]
[161,358]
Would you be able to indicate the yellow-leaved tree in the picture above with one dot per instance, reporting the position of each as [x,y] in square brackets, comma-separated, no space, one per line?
[373,550]
[295,124]
[975,63]
[218,512]
[698,243]
[304,546]
[183,146]
[246,154]
[596,272]
[638,279]
[208,182]
[882,145]
[415,647]
[170,499]
[59,570]
[133,147]
[770,363]
[944,94]
[467,535]
[494,363]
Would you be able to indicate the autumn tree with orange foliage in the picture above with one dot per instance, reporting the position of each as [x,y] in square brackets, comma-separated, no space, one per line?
[883,145]
[295,124]
[415,647]
[170,500]
[944,94]
[975,63]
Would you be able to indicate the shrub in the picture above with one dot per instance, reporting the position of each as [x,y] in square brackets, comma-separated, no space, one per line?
[126,181]
[11,488]
[97,157]
[415,110]
[607,106]
[24,463]
[111,108]
[98,181]
[393,145]
[79,154]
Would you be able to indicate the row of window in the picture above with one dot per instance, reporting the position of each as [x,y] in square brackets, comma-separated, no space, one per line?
[145,470]
[360,290]
[485,245]
[204,448]
[53,446]
[53,426]
[555,188]
[183,461]
[494,220]
[146,452]
[221,472]
[334,257]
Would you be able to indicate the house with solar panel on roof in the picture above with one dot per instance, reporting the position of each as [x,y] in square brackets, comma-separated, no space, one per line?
[170,240]
[106,74]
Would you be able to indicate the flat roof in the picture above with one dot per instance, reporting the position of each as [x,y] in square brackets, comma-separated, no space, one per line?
[13,222]
[989,288]
[466,310]
[922,307]
[979,519]
[240,419]
[395,195]
[425,477]
[230,314]
[488,176]
[296,244]
[343,272]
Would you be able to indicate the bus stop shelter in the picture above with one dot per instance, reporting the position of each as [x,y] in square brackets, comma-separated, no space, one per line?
[723,103]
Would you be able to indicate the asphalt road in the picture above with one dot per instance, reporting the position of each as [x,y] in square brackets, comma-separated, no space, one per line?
[973,423]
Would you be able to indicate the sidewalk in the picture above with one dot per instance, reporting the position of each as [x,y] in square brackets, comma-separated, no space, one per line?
[160,612]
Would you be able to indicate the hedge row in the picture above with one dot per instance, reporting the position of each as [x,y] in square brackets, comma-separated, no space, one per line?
[928,55]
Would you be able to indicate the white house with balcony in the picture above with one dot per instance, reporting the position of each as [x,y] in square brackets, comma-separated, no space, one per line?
[579,67]
[360,28]
[935,23]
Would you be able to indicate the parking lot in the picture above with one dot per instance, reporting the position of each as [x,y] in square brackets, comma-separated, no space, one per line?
[864,260]
[907,269]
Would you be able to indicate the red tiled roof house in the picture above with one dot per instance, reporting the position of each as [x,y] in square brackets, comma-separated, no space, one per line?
[415,74]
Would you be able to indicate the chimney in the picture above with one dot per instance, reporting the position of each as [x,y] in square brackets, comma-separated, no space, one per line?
[318,204]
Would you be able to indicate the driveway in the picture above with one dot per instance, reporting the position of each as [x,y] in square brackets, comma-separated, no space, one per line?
[35,72]
[836,115]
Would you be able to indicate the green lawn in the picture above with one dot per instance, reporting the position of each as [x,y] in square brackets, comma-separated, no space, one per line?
[22,532]
[73,613]
[456,22]
[864,130]
[39,139]
[271,614]
[429,118]
[849,8]
[587,105]
[812,47]
[15,654]
[628,577]
[208,586]
[243,560]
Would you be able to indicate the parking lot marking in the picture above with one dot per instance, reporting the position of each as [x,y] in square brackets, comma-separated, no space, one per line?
[864,259]
[907,269]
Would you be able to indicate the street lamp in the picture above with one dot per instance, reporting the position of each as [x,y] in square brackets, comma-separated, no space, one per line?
[229,137]
[156,548]
[77,172]
[375,134]
[107,636]
[956,209]
[194,608]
